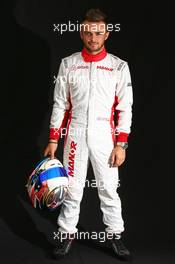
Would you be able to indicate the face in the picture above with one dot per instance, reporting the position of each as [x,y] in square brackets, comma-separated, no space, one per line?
[94,35]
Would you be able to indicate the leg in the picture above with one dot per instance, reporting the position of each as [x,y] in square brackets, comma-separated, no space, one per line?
[107,182]
[75,161]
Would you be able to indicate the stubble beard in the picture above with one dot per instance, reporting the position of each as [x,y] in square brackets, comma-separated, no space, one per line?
[93,50]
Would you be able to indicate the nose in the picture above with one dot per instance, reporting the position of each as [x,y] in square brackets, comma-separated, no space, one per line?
[93,37]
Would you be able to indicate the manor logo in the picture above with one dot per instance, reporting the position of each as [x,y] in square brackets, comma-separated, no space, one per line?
[104,68]
[73,147]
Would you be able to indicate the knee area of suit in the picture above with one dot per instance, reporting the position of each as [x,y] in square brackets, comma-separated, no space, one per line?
[107,194]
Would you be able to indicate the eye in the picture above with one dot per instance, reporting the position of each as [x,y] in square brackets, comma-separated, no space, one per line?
[87,33]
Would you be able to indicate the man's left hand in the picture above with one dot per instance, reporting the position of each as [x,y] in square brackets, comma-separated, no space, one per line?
[117,156]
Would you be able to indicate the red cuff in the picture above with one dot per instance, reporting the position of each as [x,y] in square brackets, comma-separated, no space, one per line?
[54,133]
[122,137]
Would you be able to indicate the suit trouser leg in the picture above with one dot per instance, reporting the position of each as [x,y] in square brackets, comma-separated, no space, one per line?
[75,161]
[107,182]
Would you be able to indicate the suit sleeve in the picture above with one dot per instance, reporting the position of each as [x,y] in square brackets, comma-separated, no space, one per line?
[124,97]
[61,103]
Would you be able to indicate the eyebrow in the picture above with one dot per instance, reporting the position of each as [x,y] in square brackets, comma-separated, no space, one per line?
[94,31]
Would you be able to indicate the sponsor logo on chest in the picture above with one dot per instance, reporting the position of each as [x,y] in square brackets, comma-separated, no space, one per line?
[78,67]
[84,67]
[104,68]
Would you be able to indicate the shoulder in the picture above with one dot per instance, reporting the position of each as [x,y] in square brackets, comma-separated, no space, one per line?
[71,59]
[117,62]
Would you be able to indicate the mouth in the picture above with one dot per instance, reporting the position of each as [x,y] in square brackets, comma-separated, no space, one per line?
[93,44]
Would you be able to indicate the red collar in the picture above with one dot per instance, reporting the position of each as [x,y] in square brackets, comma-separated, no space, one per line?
[91,57]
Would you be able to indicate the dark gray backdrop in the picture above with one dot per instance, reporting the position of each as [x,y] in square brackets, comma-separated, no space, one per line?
[31,53]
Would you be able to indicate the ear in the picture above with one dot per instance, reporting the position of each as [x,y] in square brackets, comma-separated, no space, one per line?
[81,34]
[107,35]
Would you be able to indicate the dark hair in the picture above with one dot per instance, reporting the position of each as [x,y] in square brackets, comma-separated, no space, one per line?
[94,15]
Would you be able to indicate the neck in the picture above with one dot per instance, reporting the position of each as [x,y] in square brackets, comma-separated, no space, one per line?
[93,56]
[94,52]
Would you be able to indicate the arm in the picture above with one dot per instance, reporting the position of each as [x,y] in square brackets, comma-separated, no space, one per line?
[124,96]
[124,101]
[61,105]
[60,111]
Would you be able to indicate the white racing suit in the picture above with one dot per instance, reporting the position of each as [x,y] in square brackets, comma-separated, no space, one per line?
[87,94]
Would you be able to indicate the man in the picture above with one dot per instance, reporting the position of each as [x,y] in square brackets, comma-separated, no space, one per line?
[91,86]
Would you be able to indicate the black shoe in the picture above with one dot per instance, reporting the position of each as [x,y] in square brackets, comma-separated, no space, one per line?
[63,247]
[119,249]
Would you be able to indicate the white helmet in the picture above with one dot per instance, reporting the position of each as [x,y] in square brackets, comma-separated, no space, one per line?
[48,183]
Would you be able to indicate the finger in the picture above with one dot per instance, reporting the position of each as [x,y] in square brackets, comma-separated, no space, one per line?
[112,160]
[52,155]
[117,162]
[45,153]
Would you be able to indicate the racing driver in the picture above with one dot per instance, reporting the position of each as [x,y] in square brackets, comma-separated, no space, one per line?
[93,107]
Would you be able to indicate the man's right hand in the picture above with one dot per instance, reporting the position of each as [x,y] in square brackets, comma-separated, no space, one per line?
[51,149]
